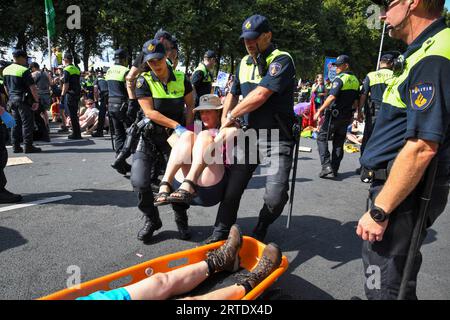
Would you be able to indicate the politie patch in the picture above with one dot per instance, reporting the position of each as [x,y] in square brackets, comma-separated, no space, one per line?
[274,69]
[140,82]
[421,95]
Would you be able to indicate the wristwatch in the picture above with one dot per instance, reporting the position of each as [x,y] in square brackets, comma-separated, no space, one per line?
[378,214]
[230,118]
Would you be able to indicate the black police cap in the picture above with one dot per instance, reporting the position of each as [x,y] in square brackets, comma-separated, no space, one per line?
[254,26]
[388,57]
[20,53]
[342,59]
[210,54]
[153,49]
[120,54]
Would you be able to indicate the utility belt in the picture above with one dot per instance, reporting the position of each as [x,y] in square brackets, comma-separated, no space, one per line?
[116,100]
[371,175]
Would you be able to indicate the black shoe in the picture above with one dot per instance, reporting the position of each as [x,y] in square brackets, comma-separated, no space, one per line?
[358,171]
[181,219]
[74,137]
[260,231]
[9,197]
[45,139]
[269,262]
[214,238]
[122,167]
[63,130]
[325,171]
[150,226]
[97,135]
[18,149]
[32,149]
[226,257]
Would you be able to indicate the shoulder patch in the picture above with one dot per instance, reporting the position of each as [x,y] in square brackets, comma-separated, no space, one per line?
[335,84]
[274,69]
[421,95]
[140,82]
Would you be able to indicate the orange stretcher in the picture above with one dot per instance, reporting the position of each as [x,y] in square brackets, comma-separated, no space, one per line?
[249,254]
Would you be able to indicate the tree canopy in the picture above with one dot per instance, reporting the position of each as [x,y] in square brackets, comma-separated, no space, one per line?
[309,30]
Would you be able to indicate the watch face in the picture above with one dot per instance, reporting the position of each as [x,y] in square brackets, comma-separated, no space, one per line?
[377,215]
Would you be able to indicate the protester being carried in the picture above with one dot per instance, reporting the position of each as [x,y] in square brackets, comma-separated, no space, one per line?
[204,181]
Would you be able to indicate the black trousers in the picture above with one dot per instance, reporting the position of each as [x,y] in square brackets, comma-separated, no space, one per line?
[72,105]
[384,261]
[118,116]
[337,128]
[3,155]
[102,114]
[276,191]
[23,130]
[369,124]
[142,171]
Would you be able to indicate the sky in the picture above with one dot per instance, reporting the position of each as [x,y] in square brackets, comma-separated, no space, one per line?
[447,4]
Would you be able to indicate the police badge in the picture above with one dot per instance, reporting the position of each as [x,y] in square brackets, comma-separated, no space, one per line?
[421,96]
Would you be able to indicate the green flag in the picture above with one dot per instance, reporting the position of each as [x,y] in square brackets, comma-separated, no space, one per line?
[50,18]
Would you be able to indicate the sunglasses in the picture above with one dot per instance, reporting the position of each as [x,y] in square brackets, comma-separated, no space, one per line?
[385,4]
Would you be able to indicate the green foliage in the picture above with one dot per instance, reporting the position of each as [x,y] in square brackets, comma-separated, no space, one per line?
[309,30]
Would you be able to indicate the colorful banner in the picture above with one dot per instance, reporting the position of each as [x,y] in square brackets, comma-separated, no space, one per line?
[330,70]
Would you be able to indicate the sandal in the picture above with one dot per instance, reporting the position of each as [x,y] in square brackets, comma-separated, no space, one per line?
[183,196]
[163,195]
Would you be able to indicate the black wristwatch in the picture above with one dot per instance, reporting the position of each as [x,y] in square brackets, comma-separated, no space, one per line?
[378,214]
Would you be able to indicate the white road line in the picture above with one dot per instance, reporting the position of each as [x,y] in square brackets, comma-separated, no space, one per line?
[34,203]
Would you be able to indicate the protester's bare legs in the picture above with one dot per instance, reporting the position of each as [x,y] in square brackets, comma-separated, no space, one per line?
[180,157]
[161,286]
[234,292]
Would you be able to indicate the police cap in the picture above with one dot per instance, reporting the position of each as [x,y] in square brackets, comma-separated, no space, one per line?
[342,59]
[153,49]
[387,57]
[120,54]
[20,53]
[210,54]
[254,26]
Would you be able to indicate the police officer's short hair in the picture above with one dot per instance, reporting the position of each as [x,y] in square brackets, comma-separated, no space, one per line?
[434,6]
[34,65]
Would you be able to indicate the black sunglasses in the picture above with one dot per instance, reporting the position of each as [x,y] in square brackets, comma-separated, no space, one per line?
[386,4]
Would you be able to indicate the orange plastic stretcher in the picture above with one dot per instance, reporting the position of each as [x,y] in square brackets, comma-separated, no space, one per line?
[249,254]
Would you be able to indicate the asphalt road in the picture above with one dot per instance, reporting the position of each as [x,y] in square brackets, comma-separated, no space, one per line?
[95,228]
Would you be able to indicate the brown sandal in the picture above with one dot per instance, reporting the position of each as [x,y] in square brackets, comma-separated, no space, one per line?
[163,195]
[183,196]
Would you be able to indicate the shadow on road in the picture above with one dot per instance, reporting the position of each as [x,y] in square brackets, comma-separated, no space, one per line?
[10,238]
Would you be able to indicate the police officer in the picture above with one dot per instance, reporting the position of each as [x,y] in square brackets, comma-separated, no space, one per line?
[412,127]
[42,80]
[71,92]
[88,85]
[7,121]
[23,100]
[163,94]
[202,78]
[101,98]
[118,104]
[339,106]
[374,84]
[266,79]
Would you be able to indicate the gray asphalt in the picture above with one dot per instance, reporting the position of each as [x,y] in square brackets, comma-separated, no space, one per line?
[96,228]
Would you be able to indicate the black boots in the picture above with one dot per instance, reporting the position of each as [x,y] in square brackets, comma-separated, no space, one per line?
[74,137]
[181,219]
[9,197]
[270,260]
[325,171]
[260,231]
[17,149]
[226,257]
[121,166]
[32,149]
[151,225]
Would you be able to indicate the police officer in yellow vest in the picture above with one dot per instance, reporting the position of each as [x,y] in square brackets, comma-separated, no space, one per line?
[162,94]
[372,94]
[412,127]
[339,108]
[71,93]
[23,100]
[118,104]
[202,78]
[266,79]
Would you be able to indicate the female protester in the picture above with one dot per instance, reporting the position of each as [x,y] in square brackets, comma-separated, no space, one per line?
[192,161]
[319,91]
[162,94]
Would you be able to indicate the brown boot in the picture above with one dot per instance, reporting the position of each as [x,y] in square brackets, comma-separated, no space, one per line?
[270,260]
[227,256]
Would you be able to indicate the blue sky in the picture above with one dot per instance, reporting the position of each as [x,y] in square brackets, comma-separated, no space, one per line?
[447,4]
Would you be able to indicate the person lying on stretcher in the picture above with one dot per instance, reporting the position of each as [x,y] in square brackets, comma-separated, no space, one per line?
[161,286]
[192,168]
